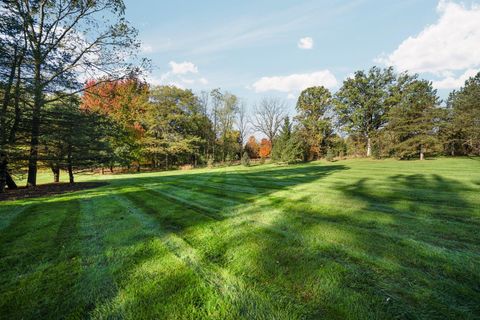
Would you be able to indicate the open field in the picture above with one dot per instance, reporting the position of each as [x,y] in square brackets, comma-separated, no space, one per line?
[345,240]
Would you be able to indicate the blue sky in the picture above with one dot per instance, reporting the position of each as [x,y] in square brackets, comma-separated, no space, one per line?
[277,47]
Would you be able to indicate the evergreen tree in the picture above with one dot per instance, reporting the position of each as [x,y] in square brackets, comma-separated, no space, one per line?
[75,139]
[289,147]
[414,120]
[462,130]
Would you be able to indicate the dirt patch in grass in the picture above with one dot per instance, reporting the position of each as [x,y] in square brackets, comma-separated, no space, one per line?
[49,189]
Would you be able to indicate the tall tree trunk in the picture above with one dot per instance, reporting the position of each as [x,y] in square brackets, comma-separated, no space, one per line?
[3,172]
[71,178]
[35,130]
[166,162]
[16,121]
[6,99]
[70,165]
[369,147]
[56,173]
[422,153]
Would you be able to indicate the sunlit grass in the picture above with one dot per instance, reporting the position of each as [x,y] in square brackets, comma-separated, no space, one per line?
[350,239]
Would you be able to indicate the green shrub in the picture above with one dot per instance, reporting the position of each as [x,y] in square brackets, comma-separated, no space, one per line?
[330,155]
[228,160]
[210,162]
[245,159]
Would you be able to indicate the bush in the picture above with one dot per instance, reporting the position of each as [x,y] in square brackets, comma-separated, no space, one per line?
[330,155]
[245,159]
[262,161]
[210,162]
[228,160]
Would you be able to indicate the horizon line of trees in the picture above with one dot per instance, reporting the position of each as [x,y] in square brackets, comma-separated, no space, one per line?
[130,124]
[51,118]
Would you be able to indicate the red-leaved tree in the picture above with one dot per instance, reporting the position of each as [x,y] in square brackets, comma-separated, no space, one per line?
[124,101]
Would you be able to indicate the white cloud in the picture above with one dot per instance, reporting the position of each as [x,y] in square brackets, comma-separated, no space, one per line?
[183,67]
[450,82]
[176,76]
[305,43]
[146,48]
[451,44]
[295,82]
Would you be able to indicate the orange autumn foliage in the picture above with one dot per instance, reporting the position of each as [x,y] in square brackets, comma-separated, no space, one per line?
[124,101]
[265,148]
[252,148]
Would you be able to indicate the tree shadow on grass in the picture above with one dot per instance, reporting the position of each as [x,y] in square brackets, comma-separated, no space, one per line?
[404,249]
[33,257]
[247,243]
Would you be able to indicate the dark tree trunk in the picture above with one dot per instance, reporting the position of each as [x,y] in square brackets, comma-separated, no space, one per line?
[56,173]
[166,162]
[69,165]
[5,178]
[3,172]
[6,99]
[10,182]
[111,168]
[35,130]
[138,167]
[71,178]
[16,122]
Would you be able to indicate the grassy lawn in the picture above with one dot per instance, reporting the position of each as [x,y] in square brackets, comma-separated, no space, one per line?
[356,239]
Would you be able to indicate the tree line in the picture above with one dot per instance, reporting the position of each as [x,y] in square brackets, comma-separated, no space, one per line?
[46,47]
[50,116]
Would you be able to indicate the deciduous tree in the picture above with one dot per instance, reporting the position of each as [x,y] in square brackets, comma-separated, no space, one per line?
[252,148]
[363,101]
[314,118]
[268,117]
[67,39]
[265,148]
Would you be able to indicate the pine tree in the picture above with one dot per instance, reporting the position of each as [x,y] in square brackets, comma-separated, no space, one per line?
[289,146]
[462,129]
[414,120]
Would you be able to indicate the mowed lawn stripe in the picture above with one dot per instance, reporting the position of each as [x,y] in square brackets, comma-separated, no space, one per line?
[39,253]
[240,300]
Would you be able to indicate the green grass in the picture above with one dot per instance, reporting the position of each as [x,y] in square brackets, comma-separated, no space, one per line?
[357,239]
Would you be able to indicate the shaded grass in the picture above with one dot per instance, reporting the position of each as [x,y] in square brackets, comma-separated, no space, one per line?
[356,239]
